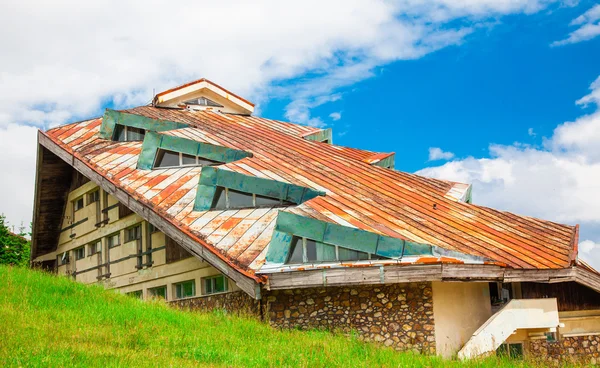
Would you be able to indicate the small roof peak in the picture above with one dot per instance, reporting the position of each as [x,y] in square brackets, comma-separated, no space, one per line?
[203,90]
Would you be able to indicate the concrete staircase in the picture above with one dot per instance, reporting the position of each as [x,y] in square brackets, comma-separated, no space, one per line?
[516,314]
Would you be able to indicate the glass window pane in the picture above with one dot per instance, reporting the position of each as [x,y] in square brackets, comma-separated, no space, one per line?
[295,251]
[158,292]
[135,134]
[219,199]
[208,286]
[207,162]
[166,158]
[262,201]
[188,159]
[311,250]
[119,133]
[240,199]
[219,284]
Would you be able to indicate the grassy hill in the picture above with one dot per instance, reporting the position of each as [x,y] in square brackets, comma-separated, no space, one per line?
[52,321]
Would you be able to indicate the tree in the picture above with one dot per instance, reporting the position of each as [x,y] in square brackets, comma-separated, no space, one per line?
[14,248]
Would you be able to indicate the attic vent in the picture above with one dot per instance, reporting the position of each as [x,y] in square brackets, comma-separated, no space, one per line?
[202,101]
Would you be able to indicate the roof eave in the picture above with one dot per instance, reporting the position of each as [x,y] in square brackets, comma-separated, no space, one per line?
[246,280]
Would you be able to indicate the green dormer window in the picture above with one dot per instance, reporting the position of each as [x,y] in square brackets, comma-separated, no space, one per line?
[123,133]
[166,159]
[305,250]
[226,198]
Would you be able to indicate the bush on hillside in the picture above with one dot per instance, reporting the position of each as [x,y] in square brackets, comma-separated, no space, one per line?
[14,248]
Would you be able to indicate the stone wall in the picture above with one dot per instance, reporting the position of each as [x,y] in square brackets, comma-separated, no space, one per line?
[580,349]
[397,315]
[234,302]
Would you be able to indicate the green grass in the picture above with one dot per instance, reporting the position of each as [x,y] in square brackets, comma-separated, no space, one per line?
[52,321]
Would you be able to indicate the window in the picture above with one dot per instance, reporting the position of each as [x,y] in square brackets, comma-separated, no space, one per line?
[303,250]
[79,253]
[185,289]
[93,197]
[158,292]
[215,284]
[202,101]
[133,233]
[165,158]
[114,240]
[63,258]
[95,247]
[78,204]
[139,294]
[226,198]
[124,133]
[510,350]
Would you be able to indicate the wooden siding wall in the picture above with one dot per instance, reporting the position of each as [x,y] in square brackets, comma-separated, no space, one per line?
[570,296]
[54,177]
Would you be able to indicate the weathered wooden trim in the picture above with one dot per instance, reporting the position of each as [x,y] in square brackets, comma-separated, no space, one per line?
[416,273]
[245,282]
[587,278]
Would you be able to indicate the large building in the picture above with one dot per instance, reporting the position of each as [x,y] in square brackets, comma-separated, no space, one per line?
[195,200]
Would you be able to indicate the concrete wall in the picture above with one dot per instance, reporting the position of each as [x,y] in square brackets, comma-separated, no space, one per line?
[459,309]
[124,275]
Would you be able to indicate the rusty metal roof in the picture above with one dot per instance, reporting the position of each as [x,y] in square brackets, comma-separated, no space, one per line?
[360,195]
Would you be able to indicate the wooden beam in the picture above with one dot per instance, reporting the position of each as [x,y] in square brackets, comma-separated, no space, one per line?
[194,246]
[390,274]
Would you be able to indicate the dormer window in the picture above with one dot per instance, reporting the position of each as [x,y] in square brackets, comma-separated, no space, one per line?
[166,159]
[123,133]
[304,250]
[226,198]
[202,101]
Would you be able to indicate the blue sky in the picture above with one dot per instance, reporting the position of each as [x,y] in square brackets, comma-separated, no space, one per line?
[503,80]
[502,94]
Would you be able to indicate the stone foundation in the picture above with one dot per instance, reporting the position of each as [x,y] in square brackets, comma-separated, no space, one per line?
[235,302]
[397,315]
[580,349]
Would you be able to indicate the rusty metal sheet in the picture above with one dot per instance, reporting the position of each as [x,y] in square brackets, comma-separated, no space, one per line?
[359,195]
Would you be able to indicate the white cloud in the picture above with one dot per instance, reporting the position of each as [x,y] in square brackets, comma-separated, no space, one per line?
[588,27]
[335,116]
[64,60]
[531,132]
[18,150]
[436,153]
[559,182]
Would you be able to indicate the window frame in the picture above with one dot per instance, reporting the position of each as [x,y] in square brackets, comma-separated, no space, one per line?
[108,242]
[126,238]
[212,281]
[64,258]
[151,292]
[139,294]
[181,164]
[304,242]
[228,206]
[180,284]
[77,251]
[126,129]
[93,196]
[75,201]
[93,247]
